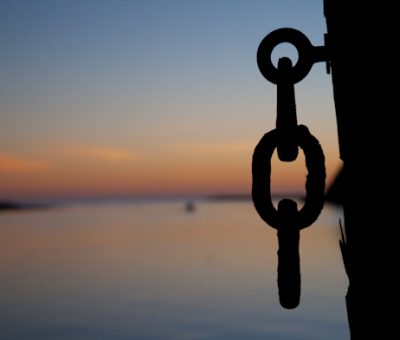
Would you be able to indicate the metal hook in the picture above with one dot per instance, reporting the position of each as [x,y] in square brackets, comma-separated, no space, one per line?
[308,55]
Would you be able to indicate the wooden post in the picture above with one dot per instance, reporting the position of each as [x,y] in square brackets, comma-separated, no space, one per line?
[362,40]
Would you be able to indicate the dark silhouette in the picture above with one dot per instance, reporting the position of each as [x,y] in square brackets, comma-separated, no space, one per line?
[288,255]
[287,138]
[359,50]
[363,43]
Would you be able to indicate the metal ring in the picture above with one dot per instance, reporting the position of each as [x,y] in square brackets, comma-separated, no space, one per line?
[298,40]
[315,181]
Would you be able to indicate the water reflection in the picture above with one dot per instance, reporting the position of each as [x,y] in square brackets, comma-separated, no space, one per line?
[153,271]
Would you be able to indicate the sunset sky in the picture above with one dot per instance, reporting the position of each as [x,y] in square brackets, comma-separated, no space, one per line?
[148,97]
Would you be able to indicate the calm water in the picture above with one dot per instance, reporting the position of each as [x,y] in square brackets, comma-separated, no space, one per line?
[153,271]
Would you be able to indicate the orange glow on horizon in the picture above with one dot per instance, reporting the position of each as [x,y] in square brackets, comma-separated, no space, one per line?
[172,169]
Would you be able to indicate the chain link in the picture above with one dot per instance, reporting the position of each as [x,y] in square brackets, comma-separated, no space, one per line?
[286,138]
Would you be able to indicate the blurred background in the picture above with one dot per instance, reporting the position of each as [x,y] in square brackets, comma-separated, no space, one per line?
[121,121]
[148,98]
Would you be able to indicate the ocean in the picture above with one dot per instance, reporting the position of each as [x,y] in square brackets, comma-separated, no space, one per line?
[153,269]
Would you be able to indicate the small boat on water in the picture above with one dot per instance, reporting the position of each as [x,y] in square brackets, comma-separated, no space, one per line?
[189,206]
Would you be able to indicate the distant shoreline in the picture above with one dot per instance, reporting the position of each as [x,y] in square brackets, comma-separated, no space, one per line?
[16,206]
[11,205]
[5,205]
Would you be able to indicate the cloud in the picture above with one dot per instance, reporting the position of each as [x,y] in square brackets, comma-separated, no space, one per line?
[103,153]
[11,163]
